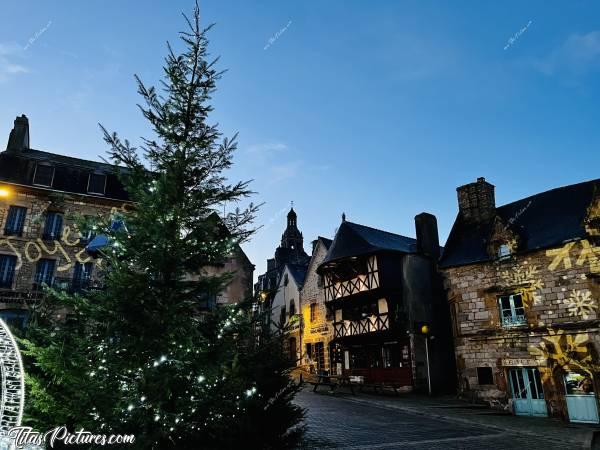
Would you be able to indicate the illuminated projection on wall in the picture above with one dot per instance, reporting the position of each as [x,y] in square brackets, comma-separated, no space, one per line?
[13,387]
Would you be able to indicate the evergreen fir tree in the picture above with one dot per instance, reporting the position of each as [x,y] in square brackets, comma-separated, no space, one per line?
[137,357]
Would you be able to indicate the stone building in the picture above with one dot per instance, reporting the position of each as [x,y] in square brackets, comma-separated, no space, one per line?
[523,287]
[41,196]
[382,290]
[317,326]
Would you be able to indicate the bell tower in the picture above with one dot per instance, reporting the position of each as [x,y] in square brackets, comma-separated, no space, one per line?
[291,249]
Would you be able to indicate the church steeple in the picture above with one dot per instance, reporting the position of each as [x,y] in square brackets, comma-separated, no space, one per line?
[292,242]
[292,218]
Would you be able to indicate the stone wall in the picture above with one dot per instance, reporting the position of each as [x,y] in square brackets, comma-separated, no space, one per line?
[560,289]
[67,250]
[319,329]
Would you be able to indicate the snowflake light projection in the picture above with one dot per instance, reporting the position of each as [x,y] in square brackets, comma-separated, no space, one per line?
[581,304]
[568,351]
[524,275]
[13,386]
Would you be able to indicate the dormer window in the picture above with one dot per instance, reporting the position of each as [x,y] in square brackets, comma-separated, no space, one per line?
[96,184]
[44,175]
[504,251]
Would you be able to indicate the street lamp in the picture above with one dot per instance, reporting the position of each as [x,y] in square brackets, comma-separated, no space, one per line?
[425,331]
[4,193]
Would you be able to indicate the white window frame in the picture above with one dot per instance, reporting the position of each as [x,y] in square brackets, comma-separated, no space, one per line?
[514,322]
[504,251]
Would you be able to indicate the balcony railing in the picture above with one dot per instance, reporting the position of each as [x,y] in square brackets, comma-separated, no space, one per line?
[335,289]
[20,297]
[514,321]
[369,324]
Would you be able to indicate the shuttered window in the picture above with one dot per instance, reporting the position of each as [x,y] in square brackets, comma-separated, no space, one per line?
[15,221]
[7,270]
[53,226]
[44,272]
[43,175]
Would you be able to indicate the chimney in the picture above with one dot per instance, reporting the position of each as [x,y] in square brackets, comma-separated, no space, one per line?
[476,201]
[19,135]
[428,242]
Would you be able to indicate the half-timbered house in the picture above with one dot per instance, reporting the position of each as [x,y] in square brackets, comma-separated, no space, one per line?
[383,291]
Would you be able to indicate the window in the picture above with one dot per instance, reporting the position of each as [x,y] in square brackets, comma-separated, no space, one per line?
[15,221]
[53,226]
[286,279]
[309,350]
[512,312]
[485,375]
[43,175]
[313,312]
[7,270]
[44,272]
[96,183]
[503,251]
[282,316]
[82,275]
[292,307]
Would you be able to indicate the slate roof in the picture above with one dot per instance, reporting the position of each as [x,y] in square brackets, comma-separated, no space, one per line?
[71,174]
[541,221]
[326,242]
[298,272]
[353,239]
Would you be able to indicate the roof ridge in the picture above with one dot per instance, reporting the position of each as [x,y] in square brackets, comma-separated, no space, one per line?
[380,230]
[596,180]
[30,152]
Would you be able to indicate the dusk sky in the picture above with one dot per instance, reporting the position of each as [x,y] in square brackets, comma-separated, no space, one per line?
[378,109]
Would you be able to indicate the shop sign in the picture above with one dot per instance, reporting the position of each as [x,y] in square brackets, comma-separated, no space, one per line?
[522,362]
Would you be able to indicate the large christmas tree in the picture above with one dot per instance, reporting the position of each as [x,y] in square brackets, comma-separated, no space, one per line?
[138,357]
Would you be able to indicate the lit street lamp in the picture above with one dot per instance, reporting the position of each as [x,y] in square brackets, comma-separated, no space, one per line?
[4,193]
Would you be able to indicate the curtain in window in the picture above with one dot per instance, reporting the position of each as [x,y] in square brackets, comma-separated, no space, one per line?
[7,270]
[45,271]
[53,226]
[15,220]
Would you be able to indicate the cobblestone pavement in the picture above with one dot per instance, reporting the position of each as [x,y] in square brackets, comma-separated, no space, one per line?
[381,422]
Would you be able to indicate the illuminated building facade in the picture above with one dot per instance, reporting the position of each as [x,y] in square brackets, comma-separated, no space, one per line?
[523,287]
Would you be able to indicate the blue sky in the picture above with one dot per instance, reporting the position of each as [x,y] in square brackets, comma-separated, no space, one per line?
[378,109]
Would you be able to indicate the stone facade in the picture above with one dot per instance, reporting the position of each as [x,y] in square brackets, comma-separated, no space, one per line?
[31,247]
[317,326]
[68,191]
[561,309]
[533,311]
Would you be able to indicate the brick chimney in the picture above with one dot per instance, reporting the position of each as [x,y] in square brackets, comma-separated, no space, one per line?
[19,135]
[428,242]
[476,201]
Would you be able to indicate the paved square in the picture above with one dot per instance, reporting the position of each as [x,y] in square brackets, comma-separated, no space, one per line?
[364,422]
